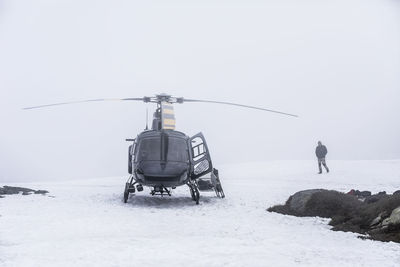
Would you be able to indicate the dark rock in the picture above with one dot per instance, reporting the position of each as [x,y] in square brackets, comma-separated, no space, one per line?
[359,194]
[41,192]
[16,190]
[396,192]
[296,204]
[12,190]
[378,216]
[383,215]
[298,201]
[374,198]
[365,193]
[319,202]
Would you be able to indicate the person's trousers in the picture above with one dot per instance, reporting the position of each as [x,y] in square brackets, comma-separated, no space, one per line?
[321,161]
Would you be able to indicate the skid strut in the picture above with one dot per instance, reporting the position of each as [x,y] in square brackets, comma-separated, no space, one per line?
[129,188]
[194,191]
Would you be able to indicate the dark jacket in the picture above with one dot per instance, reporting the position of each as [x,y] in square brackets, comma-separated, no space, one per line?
[321,151]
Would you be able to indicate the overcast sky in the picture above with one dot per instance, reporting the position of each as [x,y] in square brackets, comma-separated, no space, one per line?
[334,63]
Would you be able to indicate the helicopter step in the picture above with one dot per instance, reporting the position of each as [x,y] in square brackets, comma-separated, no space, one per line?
[130,188]
[212,184]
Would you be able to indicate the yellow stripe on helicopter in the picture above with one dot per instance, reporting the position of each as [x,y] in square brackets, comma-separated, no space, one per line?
[167,116]
[168,111]
[167,127]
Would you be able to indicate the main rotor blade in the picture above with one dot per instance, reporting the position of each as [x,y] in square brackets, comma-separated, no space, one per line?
[85,101]
[238,105]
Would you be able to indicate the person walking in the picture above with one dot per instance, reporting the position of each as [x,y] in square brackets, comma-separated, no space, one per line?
[321,152]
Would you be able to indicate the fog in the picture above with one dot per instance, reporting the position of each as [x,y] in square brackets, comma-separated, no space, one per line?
[336,64]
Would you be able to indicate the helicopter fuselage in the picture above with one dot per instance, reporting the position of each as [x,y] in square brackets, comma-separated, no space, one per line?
[164,159]
[161,158]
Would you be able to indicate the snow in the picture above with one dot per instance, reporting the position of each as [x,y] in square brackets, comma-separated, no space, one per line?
[85,223]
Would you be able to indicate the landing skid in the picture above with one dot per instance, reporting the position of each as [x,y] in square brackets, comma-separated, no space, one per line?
[131,187]
[195,186]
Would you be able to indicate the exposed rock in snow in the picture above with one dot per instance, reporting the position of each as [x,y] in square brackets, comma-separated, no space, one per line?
[395,216]
[299,200]
[379,219]
[392,222]
[12,190]
[319,202]
[348,213]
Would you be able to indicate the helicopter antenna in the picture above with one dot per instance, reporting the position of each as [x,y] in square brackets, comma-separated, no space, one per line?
[147,118]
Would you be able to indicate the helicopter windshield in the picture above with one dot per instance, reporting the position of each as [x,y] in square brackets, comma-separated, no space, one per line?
[150,149]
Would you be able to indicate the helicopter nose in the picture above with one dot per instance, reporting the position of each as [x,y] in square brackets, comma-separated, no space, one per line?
[162,168]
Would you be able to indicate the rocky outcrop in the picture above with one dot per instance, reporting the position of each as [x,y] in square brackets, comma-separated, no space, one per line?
[12,190]
[298,202]
[376,216]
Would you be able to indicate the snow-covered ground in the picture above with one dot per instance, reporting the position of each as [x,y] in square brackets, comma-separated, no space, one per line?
[86,223]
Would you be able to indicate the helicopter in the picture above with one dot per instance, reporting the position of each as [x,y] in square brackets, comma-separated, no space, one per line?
[163,158]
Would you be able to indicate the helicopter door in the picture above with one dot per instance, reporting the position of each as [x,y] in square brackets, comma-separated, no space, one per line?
[200,156]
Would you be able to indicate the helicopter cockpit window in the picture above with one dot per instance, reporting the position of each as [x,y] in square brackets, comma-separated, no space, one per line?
[177,150]
[150,149]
